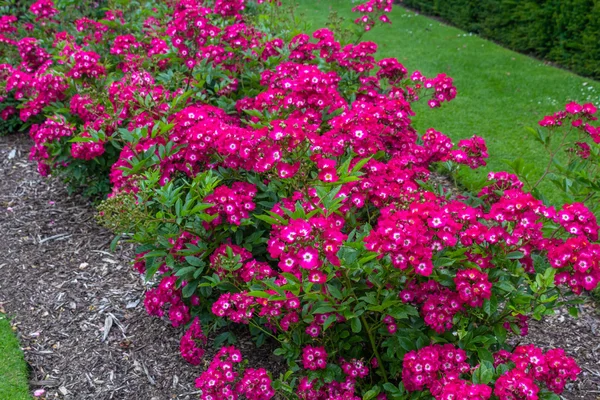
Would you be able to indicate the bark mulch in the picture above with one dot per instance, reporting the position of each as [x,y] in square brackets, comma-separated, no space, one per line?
[79,309]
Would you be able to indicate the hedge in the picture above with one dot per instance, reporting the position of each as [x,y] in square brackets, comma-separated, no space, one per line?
[566,32]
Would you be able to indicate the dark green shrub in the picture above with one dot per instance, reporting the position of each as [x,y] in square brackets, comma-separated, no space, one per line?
[566,32]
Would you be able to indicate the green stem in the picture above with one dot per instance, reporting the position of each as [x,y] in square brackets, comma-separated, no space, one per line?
[374,347]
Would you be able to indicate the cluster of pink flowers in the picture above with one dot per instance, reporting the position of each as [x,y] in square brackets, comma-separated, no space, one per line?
[7,24]
[192,343]
[443,86]
[95,30]
[308,389]
[463,390]
[86,65]
[318,112]
[166,293]
[438,304]
[473,286]
[578,262]
[378,7]
[471,152]
[229,8]
[412,235]
[43,10]
[314,358]
[305,244]
[580,117]
[219,380]
[33,56]
[499,182]
[237,307]
[578,220]
[354,368]
[240,308]
[50,130]
[232,204]
[554,369]
[433,367]
[124,44]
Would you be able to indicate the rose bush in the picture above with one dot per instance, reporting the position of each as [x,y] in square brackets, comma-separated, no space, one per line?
[274,179]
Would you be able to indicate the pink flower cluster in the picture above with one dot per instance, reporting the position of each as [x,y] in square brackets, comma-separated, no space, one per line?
[579,116]
[219,380]
[167,293]
[314,358]
[554,369]
[232,204]
[471,152]
[86,65]
[87,150]
[378,7]
[33,56]
[192,343]
[95,30]
[7,24]
[124,44]
[438,304]
[354,368]
[306,244]
[50,130]
[436,367]
[240,308]
[412,235]
[473,286]
[578,262]
[499,182]
[442,85]
[43,10]
[308,389]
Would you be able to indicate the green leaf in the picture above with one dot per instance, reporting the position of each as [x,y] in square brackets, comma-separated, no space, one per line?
[515,255]
[324,310]
[189,289]
[330,320]
[114,242]
[335,292]
[184,271]
[371,393]
[259,293]
[195,261]
[573,312]
[356,325]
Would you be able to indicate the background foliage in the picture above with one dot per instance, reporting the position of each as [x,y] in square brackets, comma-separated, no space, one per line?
[561,31]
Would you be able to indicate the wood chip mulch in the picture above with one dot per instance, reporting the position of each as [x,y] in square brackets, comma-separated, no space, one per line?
[78,309]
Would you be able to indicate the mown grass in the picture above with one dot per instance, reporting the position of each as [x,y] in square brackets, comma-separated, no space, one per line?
[500,92]
[13,371]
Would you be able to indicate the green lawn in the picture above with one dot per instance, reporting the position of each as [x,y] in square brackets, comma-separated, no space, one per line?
[500,92]
[13,371]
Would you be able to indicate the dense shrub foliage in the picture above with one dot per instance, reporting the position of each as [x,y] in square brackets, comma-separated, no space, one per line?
[565,32]
[274,180]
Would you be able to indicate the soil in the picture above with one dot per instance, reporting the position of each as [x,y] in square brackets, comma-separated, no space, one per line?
[78,308]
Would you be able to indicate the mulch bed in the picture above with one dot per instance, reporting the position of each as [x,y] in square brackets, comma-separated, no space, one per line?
[79,308]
